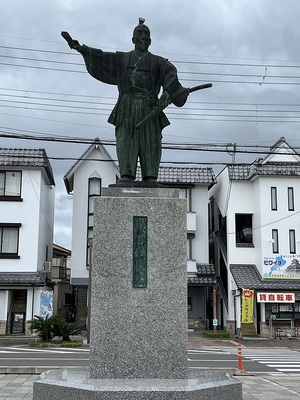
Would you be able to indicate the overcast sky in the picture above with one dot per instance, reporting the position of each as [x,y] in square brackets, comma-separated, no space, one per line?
[248,49]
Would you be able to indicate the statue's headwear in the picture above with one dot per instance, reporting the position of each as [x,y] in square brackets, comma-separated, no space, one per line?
[141,22]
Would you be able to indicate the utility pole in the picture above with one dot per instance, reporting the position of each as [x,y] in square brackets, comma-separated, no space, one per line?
[215,320]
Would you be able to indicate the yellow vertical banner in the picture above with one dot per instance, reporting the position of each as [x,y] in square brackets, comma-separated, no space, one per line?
[247,306]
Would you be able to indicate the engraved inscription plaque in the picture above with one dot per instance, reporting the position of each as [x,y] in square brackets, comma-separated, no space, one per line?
[139,252]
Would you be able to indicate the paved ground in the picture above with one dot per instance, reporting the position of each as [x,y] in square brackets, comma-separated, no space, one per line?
[279,387]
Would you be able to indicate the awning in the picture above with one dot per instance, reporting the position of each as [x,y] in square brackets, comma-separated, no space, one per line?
[23,279]
[205,276]
[247,276]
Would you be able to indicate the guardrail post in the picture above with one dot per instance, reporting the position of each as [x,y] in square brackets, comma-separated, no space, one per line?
[240,359]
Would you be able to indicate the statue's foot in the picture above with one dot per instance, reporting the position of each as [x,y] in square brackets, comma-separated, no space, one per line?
[126,179]
[150,180]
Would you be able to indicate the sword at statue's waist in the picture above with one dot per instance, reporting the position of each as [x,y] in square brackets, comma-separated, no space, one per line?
[157,110]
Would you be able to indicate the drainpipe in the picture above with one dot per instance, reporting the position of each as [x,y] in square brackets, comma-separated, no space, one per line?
[237,331]
[32,307]
[90,240]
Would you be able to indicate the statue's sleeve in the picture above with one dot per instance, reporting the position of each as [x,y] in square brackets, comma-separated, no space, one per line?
[170,82]
[101,65]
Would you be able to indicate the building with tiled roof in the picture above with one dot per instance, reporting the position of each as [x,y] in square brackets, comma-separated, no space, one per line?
[184,175]
[26,229]
[254,241]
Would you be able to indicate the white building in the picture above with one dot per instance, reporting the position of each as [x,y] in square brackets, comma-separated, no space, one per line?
[26,229]
[254,242]
[84,180]
[94,170]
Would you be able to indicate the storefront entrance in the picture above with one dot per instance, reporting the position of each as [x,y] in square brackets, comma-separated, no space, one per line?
[17,324]
[18,312]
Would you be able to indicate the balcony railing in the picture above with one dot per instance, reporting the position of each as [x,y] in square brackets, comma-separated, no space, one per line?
[60,273]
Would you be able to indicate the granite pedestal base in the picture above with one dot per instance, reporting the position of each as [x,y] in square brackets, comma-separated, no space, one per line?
[75,384]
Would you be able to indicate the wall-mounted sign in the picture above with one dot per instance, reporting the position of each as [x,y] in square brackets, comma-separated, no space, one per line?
[284,266]
[274,297]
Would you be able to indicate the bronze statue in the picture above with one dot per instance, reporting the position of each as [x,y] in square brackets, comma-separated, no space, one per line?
[137,116]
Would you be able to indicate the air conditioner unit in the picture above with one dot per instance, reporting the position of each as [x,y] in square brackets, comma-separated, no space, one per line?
[47,266]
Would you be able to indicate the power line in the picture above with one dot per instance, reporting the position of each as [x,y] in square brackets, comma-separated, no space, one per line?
[258,114]
[211,73]
[264,65]
[114,98]
[211,147]
[25,99]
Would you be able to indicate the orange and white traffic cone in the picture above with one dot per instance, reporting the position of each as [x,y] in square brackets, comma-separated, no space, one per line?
[240,359]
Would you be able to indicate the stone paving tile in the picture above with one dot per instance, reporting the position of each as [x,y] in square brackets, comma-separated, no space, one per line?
[16,387]
[271,387]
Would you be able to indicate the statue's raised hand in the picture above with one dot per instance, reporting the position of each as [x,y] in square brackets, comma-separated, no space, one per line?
[74,44]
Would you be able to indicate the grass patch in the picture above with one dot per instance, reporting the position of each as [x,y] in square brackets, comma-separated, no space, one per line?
[71,344]
[56,343]
[213,335]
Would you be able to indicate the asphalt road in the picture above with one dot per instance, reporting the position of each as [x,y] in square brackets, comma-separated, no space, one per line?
[256,361]
[50,357]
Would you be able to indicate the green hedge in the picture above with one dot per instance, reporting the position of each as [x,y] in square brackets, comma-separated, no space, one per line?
[213,335]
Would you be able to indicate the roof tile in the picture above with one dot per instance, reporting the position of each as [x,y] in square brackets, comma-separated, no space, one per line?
[13,157]
[248,276]
[183,175]
[23,279]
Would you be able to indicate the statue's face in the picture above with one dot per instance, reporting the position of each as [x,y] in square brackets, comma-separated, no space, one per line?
[141,38]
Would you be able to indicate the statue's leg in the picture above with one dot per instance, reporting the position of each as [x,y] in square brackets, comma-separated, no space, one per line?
[127,153]
[150,150]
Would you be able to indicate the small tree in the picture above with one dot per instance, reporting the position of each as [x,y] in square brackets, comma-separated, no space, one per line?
[47,327]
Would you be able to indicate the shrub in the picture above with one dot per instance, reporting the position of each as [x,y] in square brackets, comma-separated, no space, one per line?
[46,327]
[68,329]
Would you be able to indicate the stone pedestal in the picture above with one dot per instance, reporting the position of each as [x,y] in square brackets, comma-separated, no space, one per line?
[138,307]
[75,384]
[139,332]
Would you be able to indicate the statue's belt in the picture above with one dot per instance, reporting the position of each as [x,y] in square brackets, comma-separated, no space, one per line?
[140,93]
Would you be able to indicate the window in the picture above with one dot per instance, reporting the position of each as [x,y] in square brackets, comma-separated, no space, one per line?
[9,236]
[243,229]
[190,246]
[290,199]
[292,239]
[68,299]
[275,243]
[190,304]
[182,193]
[273,198]
[10,185]
[94,189]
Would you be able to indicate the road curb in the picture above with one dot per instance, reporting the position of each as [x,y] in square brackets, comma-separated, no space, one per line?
[29,370]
